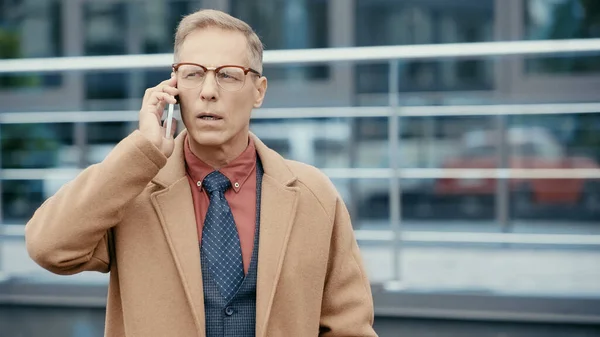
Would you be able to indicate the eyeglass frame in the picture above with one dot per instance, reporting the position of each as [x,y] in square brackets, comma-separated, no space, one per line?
[246,70]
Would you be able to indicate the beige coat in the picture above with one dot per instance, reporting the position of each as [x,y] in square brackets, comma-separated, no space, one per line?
[132,215]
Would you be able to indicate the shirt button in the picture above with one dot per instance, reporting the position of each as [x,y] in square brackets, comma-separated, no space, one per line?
[229,311]
[236,185]
[199,183]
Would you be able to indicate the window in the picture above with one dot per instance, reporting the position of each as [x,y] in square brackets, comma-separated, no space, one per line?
[562,19]
[406,22]
[30,29]
[160,20]
[117,28]
[105,28]
[288,24]
[105,32]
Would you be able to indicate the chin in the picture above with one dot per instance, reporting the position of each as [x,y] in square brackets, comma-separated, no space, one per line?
[208,138]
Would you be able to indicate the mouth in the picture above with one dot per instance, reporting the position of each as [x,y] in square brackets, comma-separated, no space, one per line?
[208,116]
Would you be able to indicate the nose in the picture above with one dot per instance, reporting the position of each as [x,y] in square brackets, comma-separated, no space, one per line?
[209,88]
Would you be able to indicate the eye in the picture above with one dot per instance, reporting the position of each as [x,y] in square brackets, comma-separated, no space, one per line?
[225,75]
[231,74]
[193,74]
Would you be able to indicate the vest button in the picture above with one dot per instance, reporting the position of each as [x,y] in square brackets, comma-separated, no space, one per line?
[229,311]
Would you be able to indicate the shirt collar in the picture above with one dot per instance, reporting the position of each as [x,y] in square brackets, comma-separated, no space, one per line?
[237,171]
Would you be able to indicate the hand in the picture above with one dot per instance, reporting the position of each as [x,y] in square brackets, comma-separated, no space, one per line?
[153,107]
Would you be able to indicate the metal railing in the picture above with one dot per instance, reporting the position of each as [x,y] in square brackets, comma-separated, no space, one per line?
[394,112]
[320,55]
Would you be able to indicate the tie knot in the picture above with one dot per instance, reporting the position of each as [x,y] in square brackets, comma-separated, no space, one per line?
[216,181]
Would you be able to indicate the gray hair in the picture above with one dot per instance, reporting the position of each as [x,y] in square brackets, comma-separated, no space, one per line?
[210,18]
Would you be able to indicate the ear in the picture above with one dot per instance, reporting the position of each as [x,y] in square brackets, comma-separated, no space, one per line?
[261,90]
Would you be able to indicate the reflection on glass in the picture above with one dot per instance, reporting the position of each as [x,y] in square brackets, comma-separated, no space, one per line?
[288,24]
[322,143]
[52,321]
[34,145]
[102,137]
[159,19]
[20,199]
[528,142]
[105,27]
[567,142]
[409,22]
[29,146]
[31,29]
[106,86]
[367,201]
[562,19]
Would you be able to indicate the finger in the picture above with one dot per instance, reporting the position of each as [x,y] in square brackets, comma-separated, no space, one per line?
[160,109]
[157,97]
[156,109]
[171,82]
[169,90]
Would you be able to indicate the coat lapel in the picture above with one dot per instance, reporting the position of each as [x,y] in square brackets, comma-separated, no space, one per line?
[277,212]
[175,210]
[174,206]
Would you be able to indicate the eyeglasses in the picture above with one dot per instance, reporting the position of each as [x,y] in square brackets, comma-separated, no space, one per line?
[229,77]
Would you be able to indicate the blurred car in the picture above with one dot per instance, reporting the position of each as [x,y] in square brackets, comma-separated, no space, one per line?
[527,148]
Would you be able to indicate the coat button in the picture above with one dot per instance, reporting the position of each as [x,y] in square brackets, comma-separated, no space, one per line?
[229,311]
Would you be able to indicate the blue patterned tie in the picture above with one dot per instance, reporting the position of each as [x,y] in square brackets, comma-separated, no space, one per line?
[220,240]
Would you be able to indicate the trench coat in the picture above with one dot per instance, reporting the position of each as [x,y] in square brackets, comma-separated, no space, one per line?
[132,216]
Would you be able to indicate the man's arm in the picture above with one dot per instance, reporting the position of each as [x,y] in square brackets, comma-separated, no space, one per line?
[347,308]
[69,232]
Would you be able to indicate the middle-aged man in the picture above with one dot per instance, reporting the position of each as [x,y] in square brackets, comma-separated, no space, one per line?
[210,233]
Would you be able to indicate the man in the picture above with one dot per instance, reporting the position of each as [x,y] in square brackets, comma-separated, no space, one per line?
[211,233]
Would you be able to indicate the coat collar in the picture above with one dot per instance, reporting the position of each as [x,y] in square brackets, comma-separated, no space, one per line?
[273,164]
[174,206]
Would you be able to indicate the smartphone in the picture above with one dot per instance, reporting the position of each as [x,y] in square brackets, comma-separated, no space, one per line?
[169,120]
[170,116]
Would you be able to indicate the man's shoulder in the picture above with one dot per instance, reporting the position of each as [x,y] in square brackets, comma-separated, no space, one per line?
[314,181]
[306,173]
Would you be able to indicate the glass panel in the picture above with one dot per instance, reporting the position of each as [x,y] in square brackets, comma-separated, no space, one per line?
[35,145]
[441,143]
[493,269]
[367,201]
[328,143]
[562,19]
[106,85]
[120,90]
[567,142]
[31,29]
[102,137]
[160,19]
[425,327]
[288,24]
[322,143]
[20,199]
[52,322]
[105,28]
[407,22]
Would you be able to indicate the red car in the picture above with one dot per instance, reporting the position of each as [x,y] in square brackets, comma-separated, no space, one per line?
[527,148]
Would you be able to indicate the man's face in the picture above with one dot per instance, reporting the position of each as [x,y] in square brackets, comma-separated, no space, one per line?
[213,47]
